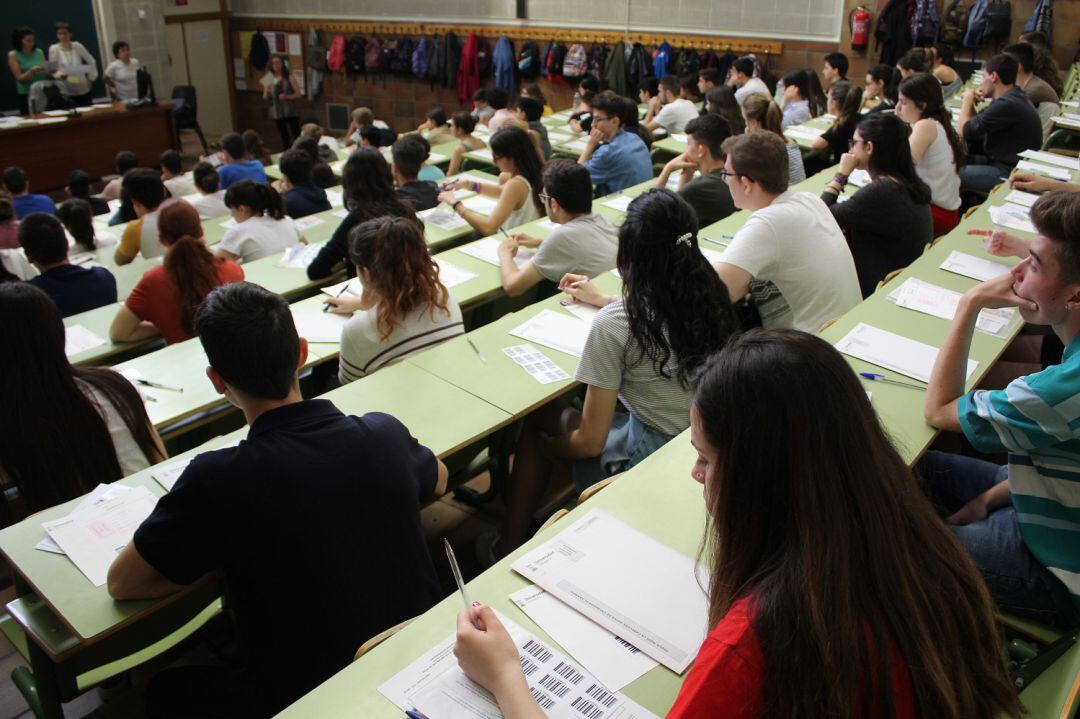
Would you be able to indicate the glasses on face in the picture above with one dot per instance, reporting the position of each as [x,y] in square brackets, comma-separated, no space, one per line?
[543,198]
[725,174]
[599,118]
[852,143]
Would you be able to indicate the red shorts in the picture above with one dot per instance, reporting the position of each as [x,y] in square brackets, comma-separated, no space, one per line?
[944,220]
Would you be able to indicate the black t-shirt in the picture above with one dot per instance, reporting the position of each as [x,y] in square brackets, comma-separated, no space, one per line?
[710,197]
[838,137]
[422,194]
[315,520]
[305,199]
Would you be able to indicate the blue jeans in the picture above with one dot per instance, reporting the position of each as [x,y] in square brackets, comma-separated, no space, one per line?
[982,176]
[629,441]
[1017,581]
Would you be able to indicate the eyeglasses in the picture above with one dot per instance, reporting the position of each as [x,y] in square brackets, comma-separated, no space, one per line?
[599,118]
[543,198]
[853,142]
[725,175]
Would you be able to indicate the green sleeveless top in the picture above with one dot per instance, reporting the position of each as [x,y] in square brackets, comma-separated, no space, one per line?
[37,57]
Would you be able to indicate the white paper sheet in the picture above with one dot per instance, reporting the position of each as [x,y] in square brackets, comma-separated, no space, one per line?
[578,145]
[93,537]
[228,224]
[555,330]
[435,158]
[679,137]
[892,351]
[805,133]
[536,363]
[1057,173]
[487,250]
[1013,216]
[97,495]
[308,222]
[627,582]
[79,339]
[355,288]
[319,326]
[451,275]
[342,213]
[299,256]
[859,178]
[620,203]
[579,309]
[484,153]
[1019,197]
[914,294]
[613,661]
[436,686]
[978,268]
[480,203]
[1069,163]
[442,218]
[336,198]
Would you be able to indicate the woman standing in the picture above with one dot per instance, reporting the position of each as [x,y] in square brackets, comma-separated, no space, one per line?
[68,54]
[27,63]
[281,93]
[121,74]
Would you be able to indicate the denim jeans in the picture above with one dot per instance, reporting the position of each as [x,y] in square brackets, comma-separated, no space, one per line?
[1017,581]
[982,176]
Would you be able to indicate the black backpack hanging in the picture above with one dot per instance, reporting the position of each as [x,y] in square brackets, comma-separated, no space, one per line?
[259,53]
[354,55]
[529,60]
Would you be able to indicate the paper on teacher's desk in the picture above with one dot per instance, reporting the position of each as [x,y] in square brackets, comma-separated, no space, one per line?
[314,325]
[451,275]
[299,256]
[479,203]
[93,537]
[79,339]
[442,218]
[628,583]
[1069,163]
[620,203]
[487,250]
[539,366]
[1019,197]
[1052,171]
[892,351]
[613,661]
[914,294]
[355,288]
[977,268]
[97,495]
[304,223]
[435,685]
[555,330]
[1015,217]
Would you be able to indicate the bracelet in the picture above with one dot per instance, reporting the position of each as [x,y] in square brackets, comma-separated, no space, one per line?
[475,186]
[840,179]
[455,205]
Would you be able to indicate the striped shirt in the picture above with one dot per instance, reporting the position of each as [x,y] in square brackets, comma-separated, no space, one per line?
[363,352]
[1037,420]
[613,360]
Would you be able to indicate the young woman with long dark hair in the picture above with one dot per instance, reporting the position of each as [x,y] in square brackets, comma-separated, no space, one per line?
[721,101]
[368,187]
[881,83]
[78,220]
[800,104]
[760,112]
[845,101]
[888,221]
[518,195]
[404,307]
[165,300]
[66,429]
[835,590]
[644,349]
[938,152]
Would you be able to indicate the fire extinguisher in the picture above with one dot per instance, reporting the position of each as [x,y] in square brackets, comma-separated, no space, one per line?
[859,23]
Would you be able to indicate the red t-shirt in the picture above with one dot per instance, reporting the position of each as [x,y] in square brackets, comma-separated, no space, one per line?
[726,678]
[155,300]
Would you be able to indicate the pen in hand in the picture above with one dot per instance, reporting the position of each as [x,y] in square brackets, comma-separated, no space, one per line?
[329,305]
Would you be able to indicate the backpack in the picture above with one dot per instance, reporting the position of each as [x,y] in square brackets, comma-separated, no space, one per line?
[420,57]
[483,57]
[556,59]
[315,53]
[597,58]
[401,62]
[435,60]
[954,22]
[710,60]
[259,54]
[925,23]
[372,54]
[687,63]
[529,60]
[1042,18]
[335,59]
[998,21]
[545,58]
[354,55]
[574,64]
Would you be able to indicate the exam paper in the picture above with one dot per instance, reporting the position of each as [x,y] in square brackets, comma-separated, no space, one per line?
[442,218]
[355,288]
[536,363]
[484,153]
[713,256]
[613,661]
[299,256]
[319,326]
[961,263]
[93,537]
[342,213]
[578,145]
[435,158]
[479,203]
[620,203]
[167,474]
[451,275]
[1019,197]
[914,294]
[487,250]
[307,222]
[97,495]
[336,198]
[628,583]
[555,330]
[79,339]
[1057,173]
[892,351]
[435,685]
[1069,163]
[229,223]
[859,178]
[580,309]
[805,133]
[679,137]
[1015,217]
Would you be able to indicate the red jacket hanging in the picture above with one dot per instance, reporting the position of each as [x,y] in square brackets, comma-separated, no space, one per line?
[468,76]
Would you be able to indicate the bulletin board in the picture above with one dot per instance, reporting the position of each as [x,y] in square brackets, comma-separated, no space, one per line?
[288,44]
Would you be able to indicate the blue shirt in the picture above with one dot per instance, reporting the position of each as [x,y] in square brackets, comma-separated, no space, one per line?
[1036,419]
[232,172]
[77,289]
[620,163]
[26,204]
[306,199]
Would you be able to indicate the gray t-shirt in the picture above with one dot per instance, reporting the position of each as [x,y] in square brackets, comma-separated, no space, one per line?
[709,196]
[613,360]
[585,245]
[1039,91]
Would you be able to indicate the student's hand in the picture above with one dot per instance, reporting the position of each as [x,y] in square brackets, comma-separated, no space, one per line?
[971,97]
[585,292]
[680,163]
[848,163]
[595,138]
[344,305]
[974,511]
[486,653]
[995,293]
[1030,182]
[1004,244]
[448,197]
[654,104]
[524,240]
[575,125]
[454,185]
[508,247]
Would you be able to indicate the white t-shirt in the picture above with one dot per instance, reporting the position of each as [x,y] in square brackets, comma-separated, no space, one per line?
[258,237]
[363,351]
[179,186]
[128,452]
[149,238]
[674,115]
[78,55]
[15,262]
[937,169]
[209,206]
[127,88]
[803,273]
[754,87]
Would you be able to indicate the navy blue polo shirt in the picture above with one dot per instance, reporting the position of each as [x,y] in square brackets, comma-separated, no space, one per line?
[77,289]
[232,172]
[314,517]
[25,204]
[306,199]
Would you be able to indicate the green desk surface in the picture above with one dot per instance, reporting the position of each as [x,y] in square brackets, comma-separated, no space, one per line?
[481,157]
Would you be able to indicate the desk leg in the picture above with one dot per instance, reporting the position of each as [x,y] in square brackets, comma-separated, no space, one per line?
[45,684]
[500,445]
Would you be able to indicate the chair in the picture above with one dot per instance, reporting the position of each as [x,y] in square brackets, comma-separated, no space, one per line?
[559,514]
[590,491]
[886,280]
[186,115]
[1048,110]
[380,638]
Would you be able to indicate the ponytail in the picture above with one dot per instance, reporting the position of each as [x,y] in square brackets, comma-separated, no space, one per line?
[189,266]
[764,111]
[849,97]
[924,91]
[78,218]
[261,198]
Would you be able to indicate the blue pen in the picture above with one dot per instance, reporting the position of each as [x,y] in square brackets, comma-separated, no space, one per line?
[414,714]
[875,377]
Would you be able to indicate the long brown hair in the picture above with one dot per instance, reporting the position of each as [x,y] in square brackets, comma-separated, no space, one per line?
[924,91]
[54,444]
[848,567]
[399,267]
[190,267]
[763,110]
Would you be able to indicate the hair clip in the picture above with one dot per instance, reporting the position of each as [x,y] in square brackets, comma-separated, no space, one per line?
[684,239]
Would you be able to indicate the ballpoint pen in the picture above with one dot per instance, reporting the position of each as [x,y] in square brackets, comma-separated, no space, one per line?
[476,350]
[875,377]
[457,578]
[157,385]
[327,306]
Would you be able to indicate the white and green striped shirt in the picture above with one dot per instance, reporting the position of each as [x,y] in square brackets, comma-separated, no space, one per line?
[1037,420]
